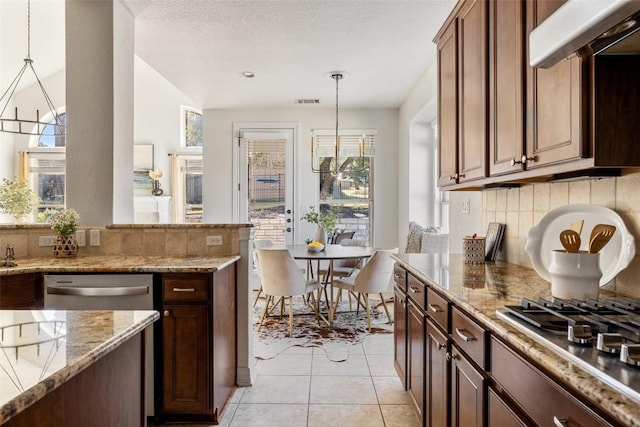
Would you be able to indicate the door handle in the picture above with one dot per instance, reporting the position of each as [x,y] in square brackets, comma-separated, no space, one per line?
[99,291]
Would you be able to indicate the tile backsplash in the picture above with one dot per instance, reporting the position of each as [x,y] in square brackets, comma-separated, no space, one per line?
[522,208]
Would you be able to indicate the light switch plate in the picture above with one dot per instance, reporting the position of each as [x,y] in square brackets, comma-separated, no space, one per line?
[214,240]
[94,237]
[81,237]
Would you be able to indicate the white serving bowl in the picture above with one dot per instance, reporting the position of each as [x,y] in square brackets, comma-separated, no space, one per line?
[315,248]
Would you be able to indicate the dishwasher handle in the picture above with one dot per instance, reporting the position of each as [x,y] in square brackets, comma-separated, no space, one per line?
[111,291]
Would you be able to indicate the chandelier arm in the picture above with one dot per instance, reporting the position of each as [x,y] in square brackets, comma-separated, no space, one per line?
[12,87]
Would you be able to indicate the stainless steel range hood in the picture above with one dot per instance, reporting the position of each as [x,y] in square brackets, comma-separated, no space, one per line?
[585,27]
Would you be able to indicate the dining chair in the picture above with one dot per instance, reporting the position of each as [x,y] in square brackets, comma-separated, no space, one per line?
[341,267]
[259,244]
[373,278]
[281,277]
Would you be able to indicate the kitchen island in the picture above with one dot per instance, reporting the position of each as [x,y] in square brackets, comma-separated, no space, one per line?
[72,367]
[479,292]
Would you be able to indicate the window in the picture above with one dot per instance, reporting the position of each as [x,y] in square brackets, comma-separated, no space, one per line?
[44,167]
[349,191]
[188,189]
[191,125]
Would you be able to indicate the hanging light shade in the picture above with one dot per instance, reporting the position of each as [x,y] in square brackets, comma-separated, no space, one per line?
[323,146]
[10,121]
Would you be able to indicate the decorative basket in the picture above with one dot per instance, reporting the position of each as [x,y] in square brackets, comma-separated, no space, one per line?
[65,246]
[473,249]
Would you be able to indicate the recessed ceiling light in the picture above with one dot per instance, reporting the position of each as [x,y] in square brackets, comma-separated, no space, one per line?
[248,74]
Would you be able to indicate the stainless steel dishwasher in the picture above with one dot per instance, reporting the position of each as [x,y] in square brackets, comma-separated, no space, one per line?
[105,292]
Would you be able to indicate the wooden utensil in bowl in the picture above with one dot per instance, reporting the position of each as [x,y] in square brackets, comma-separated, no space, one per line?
[570,240]
[600,236]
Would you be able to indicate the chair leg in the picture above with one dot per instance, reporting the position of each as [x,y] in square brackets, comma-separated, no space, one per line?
[257,296]
[291,316]
[386,310]
[366,307]
[282,306]
[264,311]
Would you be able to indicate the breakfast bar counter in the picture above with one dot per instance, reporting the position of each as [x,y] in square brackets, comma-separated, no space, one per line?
[483,289]
[42,352]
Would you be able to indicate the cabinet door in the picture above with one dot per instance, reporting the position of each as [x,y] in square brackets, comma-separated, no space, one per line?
[400,336]
[437,377]
[472,91]
[556,102]
[448,106]
[22,291]
[502,414]
[185,346]
[467,392]
[416,360]
[506,72]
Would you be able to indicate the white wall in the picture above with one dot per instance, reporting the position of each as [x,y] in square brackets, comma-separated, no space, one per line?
[218,168]
[157,118]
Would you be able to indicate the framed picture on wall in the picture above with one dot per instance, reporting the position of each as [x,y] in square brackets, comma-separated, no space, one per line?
[142,164]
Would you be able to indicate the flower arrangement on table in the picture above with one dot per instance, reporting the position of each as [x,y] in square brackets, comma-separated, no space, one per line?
[326,222]
[17,199]
[155,176]
[65,224]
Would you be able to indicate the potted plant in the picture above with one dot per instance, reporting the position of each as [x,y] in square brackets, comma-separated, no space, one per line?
[65,223]
[17,199]
[326,223]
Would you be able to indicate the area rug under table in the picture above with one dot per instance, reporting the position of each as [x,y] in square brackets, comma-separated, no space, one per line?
[349,328]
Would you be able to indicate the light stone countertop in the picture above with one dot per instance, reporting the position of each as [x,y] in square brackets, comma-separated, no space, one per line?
[482,289]
[121,264]
[69,342]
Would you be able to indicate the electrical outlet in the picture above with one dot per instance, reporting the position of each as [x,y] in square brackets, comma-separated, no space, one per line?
[94,237]
[466,206]
[214,240]
[46,240]
[81,237]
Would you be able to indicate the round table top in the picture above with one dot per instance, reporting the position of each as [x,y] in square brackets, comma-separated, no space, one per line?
[331,252]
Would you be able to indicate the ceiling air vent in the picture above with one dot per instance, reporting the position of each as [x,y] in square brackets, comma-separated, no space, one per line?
[307,101]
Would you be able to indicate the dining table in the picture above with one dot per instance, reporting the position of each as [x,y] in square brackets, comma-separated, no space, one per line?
[330,253]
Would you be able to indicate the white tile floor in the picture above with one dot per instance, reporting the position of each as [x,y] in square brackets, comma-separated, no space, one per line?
[301,387]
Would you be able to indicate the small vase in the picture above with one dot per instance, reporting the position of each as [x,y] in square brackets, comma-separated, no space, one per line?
[156,191]
[65,246]
[321,236]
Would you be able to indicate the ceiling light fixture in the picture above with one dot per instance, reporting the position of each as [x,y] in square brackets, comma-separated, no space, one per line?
[25,126]
[318,151]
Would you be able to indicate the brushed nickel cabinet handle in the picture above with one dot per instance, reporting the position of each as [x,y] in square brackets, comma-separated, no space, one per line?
[415,290]
[184,289]
[166,313]
[464,335]
[560,422]
[441,346]
[434,308]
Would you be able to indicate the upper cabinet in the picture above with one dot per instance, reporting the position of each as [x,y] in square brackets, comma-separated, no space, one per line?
[462,70]
[502,121]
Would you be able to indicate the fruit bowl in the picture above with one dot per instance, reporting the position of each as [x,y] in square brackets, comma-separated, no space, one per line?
[315,247]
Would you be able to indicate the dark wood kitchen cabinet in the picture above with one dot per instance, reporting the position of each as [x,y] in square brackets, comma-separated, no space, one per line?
[462,94]
[400,331]
[437,377]
[506,86]
[416,328]
[21,291]
[198,345]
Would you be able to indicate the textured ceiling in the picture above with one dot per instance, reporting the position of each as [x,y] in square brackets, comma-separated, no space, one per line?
[202,47]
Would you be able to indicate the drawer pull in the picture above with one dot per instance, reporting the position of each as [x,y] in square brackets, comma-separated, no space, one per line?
[464,335]
[441,346]
[434,308]
[184,289]
[415,290]
[399,276]
[167,313]
[560,422]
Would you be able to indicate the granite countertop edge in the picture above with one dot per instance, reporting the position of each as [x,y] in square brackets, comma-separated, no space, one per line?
[623,408]
[41,389]
[121,264]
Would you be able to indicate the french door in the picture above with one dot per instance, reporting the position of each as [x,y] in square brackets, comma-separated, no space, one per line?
[265,181]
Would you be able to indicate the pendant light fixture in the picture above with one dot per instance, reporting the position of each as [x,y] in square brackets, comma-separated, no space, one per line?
[13,123]
[320,148]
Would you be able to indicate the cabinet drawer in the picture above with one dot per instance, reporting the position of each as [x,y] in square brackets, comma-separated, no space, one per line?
[539,397]
[21,291]
[400,277]
[470,337]
[185,289]
[438,309]
[417,291]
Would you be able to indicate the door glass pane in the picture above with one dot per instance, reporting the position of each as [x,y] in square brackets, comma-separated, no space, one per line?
[266,188]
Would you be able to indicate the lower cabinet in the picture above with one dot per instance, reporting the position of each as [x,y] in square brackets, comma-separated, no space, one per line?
[468,387]
[21,291]
[416,357]
[198,343]
[437,377]
[501,413]
[400,332]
